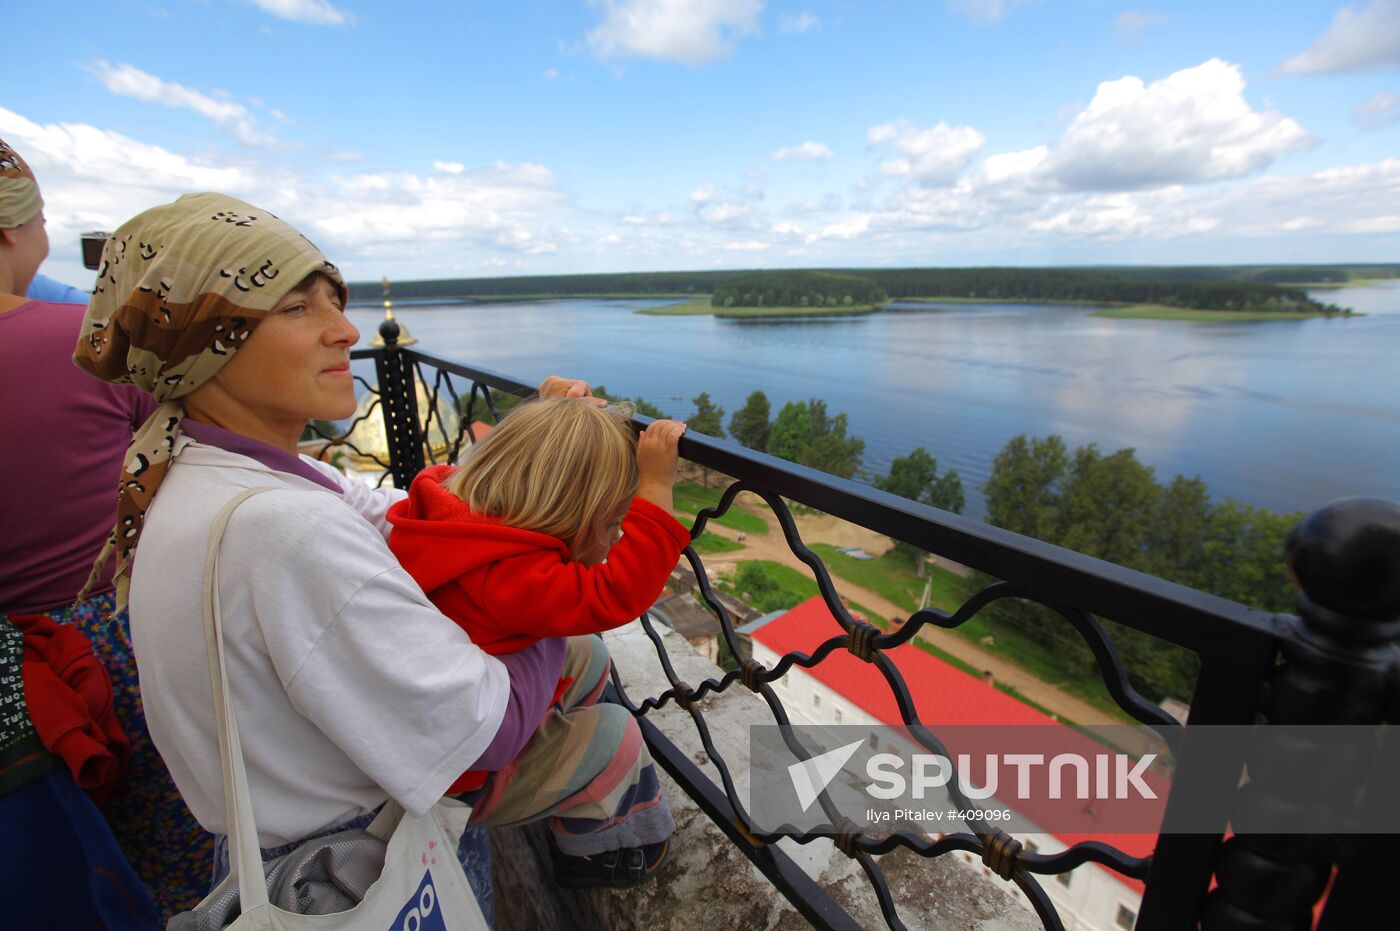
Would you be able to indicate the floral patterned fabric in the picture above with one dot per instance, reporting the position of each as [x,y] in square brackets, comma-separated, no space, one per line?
[155,830]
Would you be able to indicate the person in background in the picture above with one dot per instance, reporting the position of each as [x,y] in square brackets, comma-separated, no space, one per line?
[67,435]
[558,525]
[43,288]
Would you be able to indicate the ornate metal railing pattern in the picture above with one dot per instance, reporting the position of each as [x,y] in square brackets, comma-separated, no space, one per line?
[1339,662]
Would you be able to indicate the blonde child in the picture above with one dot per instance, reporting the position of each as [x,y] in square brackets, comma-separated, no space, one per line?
[558,525]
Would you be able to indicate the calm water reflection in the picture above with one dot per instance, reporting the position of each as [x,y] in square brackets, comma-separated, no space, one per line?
[1284,414]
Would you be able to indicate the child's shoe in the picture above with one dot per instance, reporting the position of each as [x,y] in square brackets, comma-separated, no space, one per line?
[614,869]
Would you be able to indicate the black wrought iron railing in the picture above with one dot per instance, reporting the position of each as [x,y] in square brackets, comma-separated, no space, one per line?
[1337,661]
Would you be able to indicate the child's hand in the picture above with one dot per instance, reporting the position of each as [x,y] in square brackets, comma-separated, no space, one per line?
[656,461]
[556,387]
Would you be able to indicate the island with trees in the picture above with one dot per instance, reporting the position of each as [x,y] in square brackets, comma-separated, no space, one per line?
[786,294]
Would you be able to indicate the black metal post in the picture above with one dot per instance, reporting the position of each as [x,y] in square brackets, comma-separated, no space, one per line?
[1340,660]
[398,397]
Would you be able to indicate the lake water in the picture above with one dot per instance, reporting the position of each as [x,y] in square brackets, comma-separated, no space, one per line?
[1284,414]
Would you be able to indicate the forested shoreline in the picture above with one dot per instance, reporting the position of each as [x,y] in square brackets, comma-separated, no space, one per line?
[1242,287]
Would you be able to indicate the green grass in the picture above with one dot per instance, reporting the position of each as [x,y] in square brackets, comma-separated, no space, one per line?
[1163,312]
[686,309]
[1349,283]
[893,577]
[691,499]
[797,587]
[708,544]
[1041,662]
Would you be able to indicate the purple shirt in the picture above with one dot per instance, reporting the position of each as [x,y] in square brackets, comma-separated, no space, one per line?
[65,433]
[534,671]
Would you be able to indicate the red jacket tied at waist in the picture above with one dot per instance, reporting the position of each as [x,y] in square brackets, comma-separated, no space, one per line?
[70,702]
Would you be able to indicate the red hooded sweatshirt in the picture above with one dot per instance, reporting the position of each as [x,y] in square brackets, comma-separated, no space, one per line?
[508,587]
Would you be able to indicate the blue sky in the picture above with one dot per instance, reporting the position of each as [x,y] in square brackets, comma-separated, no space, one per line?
[454,139]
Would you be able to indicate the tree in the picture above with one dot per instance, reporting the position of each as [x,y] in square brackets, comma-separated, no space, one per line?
[749,425]
[707,419]
[916,477]
[1022,487]
[1106,507]
[830,449]
[1242,556]
[804,433]
[791,431]
[1178,533]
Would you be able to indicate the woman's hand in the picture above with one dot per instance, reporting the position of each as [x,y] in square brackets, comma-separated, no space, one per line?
[656,460]
[556,386]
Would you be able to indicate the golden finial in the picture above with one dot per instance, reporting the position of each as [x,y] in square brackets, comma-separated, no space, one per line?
[405,338]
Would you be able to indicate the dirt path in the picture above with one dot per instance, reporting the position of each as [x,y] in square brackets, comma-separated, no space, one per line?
[824,528]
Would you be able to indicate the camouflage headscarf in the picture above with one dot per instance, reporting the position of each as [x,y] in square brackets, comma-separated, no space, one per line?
[19,192]
[180,288]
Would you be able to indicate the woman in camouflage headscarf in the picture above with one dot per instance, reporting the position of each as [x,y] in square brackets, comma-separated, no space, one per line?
[179,291]
[360,689]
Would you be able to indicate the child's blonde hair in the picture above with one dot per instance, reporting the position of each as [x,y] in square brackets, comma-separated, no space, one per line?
[560,466]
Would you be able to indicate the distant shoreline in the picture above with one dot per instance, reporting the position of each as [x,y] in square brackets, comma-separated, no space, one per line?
[704,308]
[1163,312]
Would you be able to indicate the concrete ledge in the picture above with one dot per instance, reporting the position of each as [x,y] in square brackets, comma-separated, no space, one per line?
[709,883]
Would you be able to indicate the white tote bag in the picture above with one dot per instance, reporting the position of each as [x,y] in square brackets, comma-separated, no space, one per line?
[422,886]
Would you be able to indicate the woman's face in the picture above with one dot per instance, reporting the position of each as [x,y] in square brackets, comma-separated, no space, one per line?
[295,366]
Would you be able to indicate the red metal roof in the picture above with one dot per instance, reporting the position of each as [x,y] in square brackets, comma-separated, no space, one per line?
[942,694]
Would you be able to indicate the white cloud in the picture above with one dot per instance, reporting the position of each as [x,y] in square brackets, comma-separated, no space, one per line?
[451,168]
[1380,111]
[851,227]
[748,245]
[689,31]
[315,12]
[1193,125]
[795,24]
[1130,23]
[1368,40]
[549,74]
[985,11]
[96,179]
[808,152]
[728,213]
[1112,216]
[702,195]
[1013,166]
[234,118]
[1384,224]
[342,156]
[933,156]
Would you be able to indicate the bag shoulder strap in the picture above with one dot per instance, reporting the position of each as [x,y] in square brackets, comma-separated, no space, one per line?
[245,858]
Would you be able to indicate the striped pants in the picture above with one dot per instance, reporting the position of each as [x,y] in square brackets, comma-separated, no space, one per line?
[586,769]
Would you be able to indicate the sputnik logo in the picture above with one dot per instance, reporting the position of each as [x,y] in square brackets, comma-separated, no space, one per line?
[810,777]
